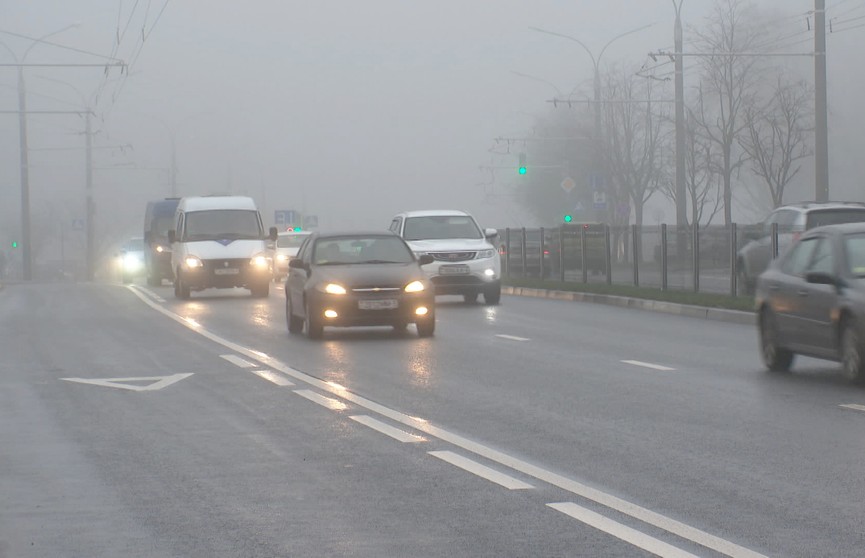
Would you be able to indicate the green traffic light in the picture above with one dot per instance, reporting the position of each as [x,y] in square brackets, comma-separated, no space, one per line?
[568,218]
[297,229]
[14,244]
[522,170]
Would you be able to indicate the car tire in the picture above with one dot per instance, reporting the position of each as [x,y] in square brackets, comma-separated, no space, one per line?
[181,289]
[470,298]
[261,290]
[314,327]
[426,327]
[775,357]
[852,354]
[493,294]
[295,324]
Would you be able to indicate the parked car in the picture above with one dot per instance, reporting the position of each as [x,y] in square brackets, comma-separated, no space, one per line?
[465,261]
[792,221]
[811,301]
[284,250]
[358,279]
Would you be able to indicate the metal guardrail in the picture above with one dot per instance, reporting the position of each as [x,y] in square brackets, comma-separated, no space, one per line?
[698,259]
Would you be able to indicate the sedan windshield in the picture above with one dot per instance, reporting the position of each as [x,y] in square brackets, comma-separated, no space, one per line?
[854,246]
[435,227]
[361,250]
[222,224]
[290,240]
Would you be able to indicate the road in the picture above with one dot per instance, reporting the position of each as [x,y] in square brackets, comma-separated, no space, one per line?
[133,424]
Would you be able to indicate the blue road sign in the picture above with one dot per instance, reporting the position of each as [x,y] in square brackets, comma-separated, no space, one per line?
[285,217]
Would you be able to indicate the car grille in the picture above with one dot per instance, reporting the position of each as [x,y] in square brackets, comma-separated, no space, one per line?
[375,290]
[239,263]
[453,256]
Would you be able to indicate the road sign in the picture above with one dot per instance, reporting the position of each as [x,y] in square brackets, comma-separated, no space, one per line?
[77,224]
[596,181]
[285,217]
[599,200]
[568,184]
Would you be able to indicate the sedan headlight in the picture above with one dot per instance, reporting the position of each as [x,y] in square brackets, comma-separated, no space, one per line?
[281,257]
[259,261]
[414,287]
[334,289]
[193,262]
[484,254]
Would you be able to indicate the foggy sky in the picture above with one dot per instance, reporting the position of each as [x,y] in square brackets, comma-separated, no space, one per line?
[351,110]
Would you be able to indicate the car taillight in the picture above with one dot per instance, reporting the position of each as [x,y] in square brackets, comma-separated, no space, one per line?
[546,252]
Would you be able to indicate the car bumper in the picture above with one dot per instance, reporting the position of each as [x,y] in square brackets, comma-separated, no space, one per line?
[380,309]
[468,277]
[211,275]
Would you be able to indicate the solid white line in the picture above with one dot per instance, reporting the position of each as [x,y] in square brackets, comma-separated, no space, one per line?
[481,470]
[620,531]
[237,361]
[645,515]
[330,403]
[388,430]
[512,337]
[273,377]
[648,365]
[148,292]
[853,406]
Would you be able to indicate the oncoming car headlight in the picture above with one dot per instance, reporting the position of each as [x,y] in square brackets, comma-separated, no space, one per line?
[259,261]
[193,262]
[414,287]
[484,254]
[281,257]
[333,288]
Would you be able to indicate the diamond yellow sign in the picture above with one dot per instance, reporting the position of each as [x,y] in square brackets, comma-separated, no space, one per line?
[568,184]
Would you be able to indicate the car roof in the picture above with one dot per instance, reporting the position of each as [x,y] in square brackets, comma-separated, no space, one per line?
[199,203]
[842,228]
[294,233]
[816,206]
[434,213]
[358,234]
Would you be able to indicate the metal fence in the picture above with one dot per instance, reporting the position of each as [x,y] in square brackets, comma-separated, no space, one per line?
[664,257]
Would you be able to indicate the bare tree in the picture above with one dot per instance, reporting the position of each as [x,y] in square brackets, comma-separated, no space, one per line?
[777,136]
[727,85]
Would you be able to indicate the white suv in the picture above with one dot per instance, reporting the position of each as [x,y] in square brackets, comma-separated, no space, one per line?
[465,261]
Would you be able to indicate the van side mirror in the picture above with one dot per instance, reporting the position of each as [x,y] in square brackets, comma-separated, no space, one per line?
[274,234]
[172,236]
[425,259]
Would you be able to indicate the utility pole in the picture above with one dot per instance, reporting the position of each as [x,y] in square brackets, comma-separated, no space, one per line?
[27,254]
[681,197]
[89,209]
[821,116]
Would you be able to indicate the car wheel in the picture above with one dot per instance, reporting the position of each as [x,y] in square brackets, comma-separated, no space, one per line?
[470,298]
[851,352]
[776,358]
[426,327]
[295,324]
[181,289]
[312,321]
[493,294]
[261,291]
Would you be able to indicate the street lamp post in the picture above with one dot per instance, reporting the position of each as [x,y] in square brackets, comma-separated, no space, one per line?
[27,253]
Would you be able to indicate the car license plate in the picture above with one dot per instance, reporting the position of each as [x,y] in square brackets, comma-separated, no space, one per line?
[454,270]
[380,304]
[226,271]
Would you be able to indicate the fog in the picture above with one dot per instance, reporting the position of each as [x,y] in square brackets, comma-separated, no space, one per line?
[351,111]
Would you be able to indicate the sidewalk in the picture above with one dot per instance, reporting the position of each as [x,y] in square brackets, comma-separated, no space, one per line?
[720,314]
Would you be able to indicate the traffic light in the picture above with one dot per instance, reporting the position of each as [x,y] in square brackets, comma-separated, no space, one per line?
[568,218]
[297,229]
[14,244]
[522,167]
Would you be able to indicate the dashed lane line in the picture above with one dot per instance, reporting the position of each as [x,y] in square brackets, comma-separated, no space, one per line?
[273,377]
[512,337]
[481,470]
[329,402]
[649,365]
[388,430]
[853,406]
[237,361]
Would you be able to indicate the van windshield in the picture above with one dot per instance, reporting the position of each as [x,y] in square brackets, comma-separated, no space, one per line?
[218,224]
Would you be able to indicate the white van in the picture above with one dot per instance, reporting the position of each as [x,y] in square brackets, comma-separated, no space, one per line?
[219,242]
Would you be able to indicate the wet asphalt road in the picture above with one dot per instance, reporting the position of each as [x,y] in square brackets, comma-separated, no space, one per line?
[133,424]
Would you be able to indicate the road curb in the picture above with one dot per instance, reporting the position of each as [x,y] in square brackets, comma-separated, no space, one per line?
[718,314]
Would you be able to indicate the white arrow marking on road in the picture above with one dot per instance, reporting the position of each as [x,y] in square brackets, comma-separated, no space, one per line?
[237,361]
[388,430]
[620,531]
[648,365]
[512,337]
[853,406]
[481,470]
[157,382]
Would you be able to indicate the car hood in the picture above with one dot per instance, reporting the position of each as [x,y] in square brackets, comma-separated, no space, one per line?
[292,252]
[450,245]
[369,275]
[212,249]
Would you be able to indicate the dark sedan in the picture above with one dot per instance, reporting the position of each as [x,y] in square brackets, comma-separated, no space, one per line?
[358,279]
[811,301]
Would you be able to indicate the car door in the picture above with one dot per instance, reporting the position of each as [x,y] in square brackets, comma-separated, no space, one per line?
[783,284]
[295,283]
[814,328]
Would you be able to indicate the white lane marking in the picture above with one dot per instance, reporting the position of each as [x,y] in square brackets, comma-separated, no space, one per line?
[388,430]
[272,377]
[512,337]
[146,291]
[481,470]
[648,365]
[329,402]
[156,382]
[640,513]
[620,531]
[237,361]
[853,406]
